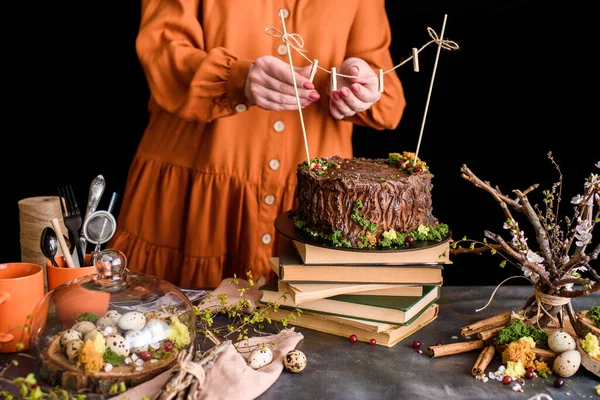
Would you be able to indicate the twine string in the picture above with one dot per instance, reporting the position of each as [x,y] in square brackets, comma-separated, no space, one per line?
[296,42]
[540,298]
[190,367]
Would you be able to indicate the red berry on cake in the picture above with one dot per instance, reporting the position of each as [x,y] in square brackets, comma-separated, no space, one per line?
[417,170]
[317,167]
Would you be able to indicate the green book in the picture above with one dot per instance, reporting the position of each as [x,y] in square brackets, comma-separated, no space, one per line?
[387,309]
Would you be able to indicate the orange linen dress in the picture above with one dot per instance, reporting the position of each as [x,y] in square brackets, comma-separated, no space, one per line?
[211,173]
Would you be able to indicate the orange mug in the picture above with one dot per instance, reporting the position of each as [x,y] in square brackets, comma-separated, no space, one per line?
[21,289]
[64,274]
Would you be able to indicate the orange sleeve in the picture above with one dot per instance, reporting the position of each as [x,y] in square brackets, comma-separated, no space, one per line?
[183,78]
[370,39]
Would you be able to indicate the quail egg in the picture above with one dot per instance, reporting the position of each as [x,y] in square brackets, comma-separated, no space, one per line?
[260,357]
[132,321]
[68,336]
[104,322]
[560,341]
[84,327]
[566,364]
[118,344]
[73,349]
[294,361]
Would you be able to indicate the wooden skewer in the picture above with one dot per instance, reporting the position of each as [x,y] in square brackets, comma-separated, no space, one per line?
[62,243]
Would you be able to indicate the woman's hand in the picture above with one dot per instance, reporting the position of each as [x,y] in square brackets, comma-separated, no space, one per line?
[354,94]
[269,85]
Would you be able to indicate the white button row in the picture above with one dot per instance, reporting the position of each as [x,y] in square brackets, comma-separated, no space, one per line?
[279,126]
[274,164]
[283,12]
[266,238]
[282,50]
[269,199]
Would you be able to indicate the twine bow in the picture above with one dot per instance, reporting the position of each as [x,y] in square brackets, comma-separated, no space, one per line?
[293,40]
[443,43]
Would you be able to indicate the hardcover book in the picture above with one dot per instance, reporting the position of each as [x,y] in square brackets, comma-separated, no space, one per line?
[388,338]
[438,253]
[303,292]
[387,309]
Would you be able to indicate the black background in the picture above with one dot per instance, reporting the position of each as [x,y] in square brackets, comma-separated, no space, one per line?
[521,85]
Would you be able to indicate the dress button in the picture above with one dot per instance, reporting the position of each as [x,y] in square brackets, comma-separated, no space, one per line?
[241,107]
[269,199]
[278,126]
[284,12]
[274,164]
[282,49]
[266,238]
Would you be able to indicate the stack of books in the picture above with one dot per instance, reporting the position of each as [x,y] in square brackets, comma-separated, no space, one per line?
[386,296]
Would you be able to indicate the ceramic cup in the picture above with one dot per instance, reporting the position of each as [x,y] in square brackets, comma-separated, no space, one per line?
[21,289]
[63,274]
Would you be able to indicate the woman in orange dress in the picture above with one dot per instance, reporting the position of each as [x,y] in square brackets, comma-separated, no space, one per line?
[217,161]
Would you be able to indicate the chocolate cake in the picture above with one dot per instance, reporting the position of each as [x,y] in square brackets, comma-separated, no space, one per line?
[367,203]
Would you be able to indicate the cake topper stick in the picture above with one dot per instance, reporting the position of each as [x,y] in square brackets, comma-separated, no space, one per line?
[289,52]
[437,56]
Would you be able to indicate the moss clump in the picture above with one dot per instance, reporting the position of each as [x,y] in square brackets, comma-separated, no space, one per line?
[88,316]
[517,330]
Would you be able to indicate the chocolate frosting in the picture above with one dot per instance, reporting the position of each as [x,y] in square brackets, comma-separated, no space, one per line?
[391,198]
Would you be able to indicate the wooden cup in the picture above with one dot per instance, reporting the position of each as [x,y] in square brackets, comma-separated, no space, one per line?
[21,289]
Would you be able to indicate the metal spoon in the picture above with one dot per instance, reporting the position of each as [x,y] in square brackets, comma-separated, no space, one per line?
[49,244]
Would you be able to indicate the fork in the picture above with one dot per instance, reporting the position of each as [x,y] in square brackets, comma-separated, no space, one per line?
[72,219]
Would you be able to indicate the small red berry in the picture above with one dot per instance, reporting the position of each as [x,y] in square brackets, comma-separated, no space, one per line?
[416,344]
[438,343]
[559,382]
[317,167]
[353,338]
[417,170]
[529,375]
[506,380]
[531,369]
[373,342]
[399,163]
[168,345]
[410,239]
[146,355]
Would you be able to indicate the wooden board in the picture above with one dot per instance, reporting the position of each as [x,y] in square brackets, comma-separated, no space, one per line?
[56,369]
[586,324]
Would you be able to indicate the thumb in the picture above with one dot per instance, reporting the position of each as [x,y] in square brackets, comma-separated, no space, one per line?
[357,72]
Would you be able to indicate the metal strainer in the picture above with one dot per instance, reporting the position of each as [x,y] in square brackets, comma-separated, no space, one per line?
[99,227]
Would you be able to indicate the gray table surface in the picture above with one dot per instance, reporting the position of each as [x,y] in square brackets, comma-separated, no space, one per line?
[338,369]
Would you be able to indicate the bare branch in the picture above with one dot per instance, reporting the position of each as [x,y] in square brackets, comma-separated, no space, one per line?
[582,292]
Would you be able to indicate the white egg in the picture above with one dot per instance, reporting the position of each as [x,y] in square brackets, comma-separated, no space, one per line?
[566,364]
[260,357]
[132,321]
[92,334]
[68,336]
[84,327]
[560,341]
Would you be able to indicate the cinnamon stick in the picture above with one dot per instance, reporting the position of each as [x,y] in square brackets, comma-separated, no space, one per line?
[455,348]
[484,359]
[490,333]
[485,324]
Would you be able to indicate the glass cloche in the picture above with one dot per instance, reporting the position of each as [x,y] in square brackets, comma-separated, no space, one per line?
[116,327]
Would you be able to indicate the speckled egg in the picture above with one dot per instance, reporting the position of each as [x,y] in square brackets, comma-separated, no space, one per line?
[560,341]
[72,349]
[118,344]
[566,364]
[260,357]
[114,315]
[294,361]
[138,341]
[104,322]
[68,336]
[84,327]
[132,321]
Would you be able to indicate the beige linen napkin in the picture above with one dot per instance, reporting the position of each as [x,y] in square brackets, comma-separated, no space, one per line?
[230,377]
